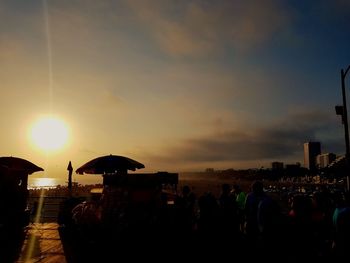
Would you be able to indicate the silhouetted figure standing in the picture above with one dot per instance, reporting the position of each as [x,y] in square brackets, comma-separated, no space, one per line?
[208,216]
[240,197]
[229,222]
[271,229]
[184,206]
[300,230]
[341,223]
[251,209]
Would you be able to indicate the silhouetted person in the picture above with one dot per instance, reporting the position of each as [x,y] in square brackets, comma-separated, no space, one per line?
[240,197]
[208,215]
[229,222]
[251,209]
[184,207]
[321,217]
[300,230]
[271,225]
[341,222]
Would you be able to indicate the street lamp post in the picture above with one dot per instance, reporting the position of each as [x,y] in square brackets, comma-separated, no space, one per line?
[345,122]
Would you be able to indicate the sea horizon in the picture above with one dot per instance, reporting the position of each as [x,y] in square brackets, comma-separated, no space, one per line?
[53,182]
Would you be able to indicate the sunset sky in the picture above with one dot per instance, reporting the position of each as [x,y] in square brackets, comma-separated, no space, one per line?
[175,85]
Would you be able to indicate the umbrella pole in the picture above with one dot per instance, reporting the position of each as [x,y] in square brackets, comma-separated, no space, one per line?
[70,184]
[70,171]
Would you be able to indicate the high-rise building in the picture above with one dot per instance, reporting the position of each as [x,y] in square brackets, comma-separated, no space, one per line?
[311,150]
[277,165]
[325,159]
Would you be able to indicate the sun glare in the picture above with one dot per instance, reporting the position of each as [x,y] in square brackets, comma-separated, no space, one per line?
[49,134]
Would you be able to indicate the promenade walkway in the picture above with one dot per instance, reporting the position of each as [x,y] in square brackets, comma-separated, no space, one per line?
[42,244]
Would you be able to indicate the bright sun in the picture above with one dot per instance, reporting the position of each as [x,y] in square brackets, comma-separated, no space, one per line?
[49,134]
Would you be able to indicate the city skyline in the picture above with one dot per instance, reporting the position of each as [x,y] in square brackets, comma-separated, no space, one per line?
[176,85]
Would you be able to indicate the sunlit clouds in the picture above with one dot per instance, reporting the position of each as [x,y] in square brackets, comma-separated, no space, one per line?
[280,140]
[176,85]
[198,27]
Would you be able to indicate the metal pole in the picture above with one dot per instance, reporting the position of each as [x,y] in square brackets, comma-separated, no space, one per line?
[346,128]
[70,171]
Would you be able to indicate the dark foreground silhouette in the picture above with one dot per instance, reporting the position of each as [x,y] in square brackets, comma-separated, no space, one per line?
[313,228]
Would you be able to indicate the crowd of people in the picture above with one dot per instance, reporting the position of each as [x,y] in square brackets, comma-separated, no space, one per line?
[315,226]
[251,223]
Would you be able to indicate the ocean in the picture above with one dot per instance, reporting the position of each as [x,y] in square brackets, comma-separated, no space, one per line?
[52,182]
[43,182]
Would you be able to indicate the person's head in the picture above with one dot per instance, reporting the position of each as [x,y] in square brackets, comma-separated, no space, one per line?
[236,188]
[258,187]
[95,197]
[301,205]
[225,188]
[186,190]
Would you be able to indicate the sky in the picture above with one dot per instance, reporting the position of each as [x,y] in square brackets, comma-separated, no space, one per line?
[176,85]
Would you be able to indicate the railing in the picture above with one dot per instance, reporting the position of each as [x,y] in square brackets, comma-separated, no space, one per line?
[49,208]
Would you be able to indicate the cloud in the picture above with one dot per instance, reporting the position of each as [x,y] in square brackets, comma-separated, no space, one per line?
[258,22]
[282,140]
[200,27]
[9,48]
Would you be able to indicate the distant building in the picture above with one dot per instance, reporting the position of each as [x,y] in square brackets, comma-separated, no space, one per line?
[311,150]
[277,165]
[293,166]
[325,159]
[209,170]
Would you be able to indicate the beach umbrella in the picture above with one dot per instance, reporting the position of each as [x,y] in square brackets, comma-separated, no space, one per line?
[109,164]
[16,164]
[16,170]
